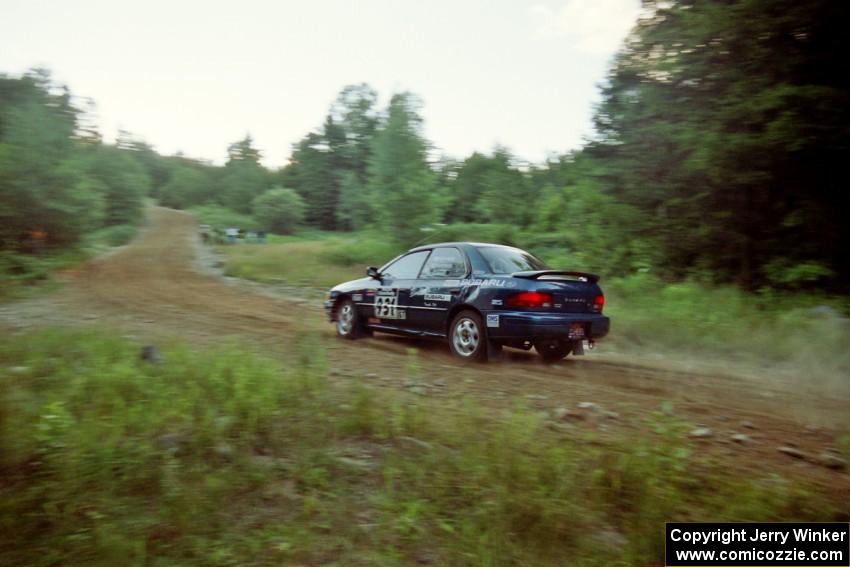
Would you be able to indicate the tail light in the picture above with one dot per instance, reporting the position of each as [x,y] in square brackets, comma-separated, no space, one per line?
[529,299]
[598,303]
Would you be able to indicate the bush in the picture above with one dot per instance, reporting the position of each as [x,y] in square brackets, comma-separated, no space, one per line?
[222,217]
[279,210]
[18,272]
[115,235]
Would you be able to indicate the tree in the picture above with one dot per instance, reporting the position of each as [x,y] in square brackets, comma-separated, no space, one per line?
[354,210]
[186,187]
[243,178]
[279,210]
[243,151]
[467,188]
[312,175]
[124,180]
[334,160]
[402,186]
[503,193]
[157,167]
[726,122]
[355,117]
[43,183]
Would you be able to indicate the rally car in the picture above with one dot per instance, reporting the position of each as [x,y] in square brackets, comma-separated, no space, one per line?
[480,296]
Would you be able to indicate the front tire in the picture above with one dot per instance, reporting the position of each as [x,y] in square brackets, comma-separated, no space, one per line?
[348,322]
[468,337]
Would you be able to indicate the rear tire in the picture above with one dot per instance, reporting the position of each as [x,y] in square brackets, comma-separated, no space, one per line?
[553,351]
[468,337]
[348,322]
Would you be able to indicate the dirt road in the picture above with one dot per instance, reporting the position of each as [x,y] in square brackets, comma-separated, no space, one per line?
[154,288]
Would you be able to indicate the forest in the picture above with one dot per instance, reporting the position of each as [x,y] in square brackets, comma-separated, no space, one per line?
[717,156]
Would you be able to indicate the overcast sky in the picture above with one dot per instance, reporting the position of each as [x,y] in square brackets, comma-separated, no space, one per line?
[195,75]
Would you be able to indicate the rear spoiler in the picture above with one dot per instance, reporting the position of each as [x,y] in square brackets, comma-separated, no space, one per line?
[537,274]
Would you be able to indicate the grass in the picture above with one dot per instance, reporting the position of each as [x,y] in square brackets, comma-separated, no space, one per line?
[112,236]
[315,259]
[23,275]
[222,217]
[792,331]
[228,458]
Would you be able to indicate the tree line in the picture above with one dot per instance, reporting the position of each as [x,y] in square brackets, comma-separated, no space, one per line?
[718,151]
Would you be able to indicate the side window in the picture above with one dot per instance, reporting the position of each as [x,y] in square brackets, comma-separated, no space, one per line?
[406,267]
[444,263]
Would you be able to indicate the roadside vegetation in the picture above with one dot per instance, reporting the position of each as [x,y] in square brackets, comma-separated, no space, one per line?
[22,275]
[225,457]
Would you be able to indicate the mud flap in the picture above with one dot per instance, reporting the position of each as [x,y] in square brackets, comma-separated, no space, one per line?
[578,348]
[494,351]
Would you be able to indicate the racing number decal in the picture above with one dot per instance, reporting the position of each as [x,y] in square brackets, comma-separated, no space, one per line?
[386,306]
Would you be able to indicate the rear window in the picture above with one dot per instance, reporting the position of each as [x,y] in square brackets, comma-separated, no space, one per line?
[502,260]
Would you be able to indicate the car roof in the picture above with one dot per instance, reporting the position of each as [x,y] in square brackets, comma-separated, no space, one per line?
[457,244]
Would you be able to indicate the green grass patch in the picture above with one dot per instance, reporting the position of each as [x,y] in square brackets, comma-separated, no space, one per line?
[804,331]
[228,458]
[112,236]
[308,259]
[222,217]
[26,275]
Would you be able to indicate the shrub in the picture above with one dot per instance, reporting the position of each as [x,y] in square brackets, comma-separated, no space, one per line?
[279,210]
[117,235]
[222,217]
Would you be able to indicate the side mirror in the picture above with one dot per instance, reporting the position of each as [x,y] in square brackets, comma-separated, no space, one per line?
[372,272]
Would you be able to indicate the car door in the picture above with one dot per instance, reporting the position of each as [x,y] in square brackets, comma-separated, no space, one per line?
[437,290]
[391,303]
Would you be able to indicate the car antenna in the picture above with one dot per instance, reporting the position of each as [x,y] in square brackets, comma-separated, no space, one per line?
[442,226]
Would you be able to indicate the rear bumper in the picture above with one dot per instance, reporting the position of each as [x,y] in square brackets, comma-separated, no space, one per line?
[525,325]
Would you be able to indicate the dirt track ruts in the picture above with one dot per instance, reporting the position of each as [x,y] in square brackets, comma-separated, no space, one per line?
[153,288]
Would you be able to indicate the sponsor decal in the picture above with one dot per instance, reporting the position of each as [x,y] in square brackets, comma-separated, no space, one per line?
[437,297]
[492,320]
[451,283]
[370,293]
[497,302]
[357,297]
[488,282]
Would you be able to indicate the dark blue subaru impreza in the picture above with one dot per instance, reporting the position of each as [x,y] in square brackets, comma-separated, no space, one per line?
[480,296]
